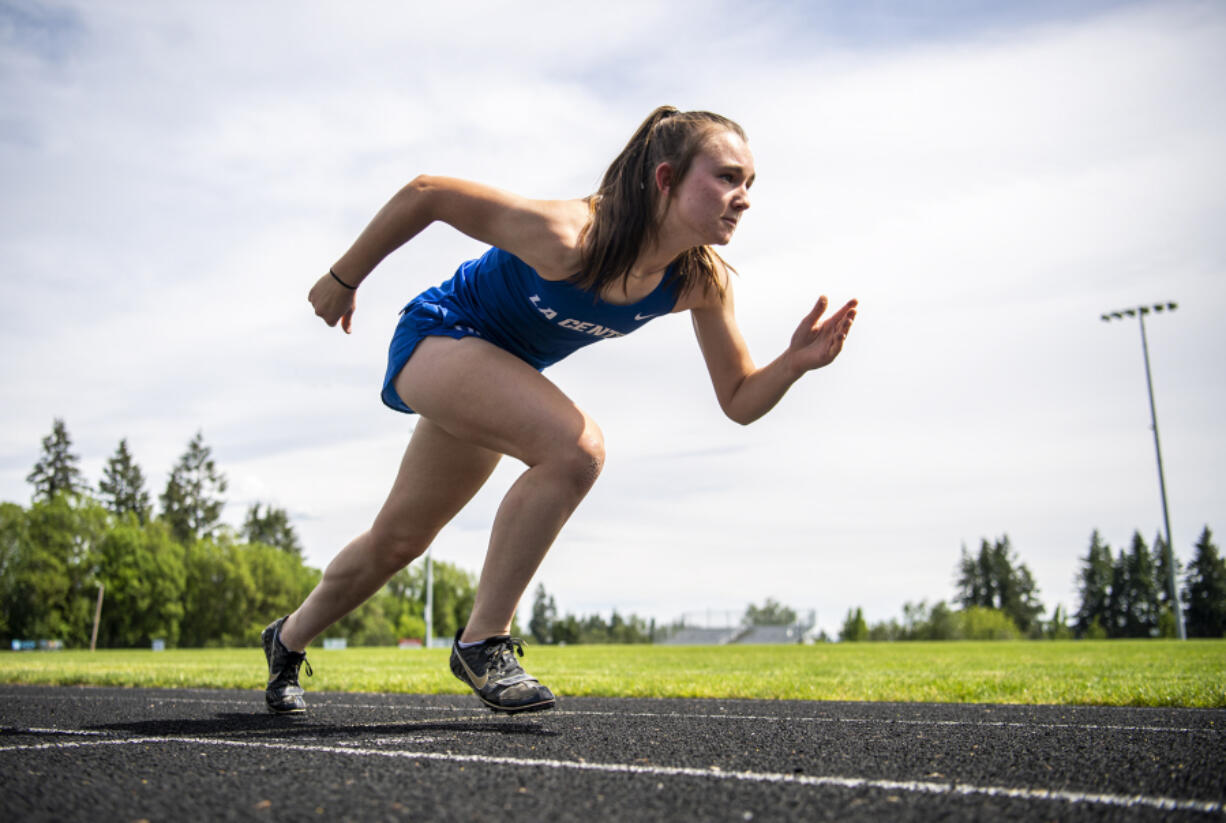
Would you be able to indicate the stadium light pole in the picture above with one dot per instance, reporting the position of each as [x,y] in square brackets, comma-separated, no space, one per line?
[429,601]
[1139,312]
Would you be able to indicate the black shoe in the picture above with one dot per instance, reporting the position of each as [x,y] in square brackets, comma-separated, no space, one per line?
[283,695]
[492,671]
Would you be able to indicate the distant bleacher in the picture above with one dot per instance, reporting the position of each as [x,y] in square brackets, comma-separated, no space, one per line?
[694,636]
[772,634]
[708,635]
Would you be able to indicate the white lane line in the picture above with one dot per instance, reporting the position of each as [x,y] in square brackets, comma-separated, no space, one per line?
[81,732]
[915,786]
[226,701]
[894,721]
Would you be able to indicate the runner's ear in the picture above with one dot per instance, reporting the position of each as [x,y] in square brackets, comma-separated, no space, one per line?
[664,177]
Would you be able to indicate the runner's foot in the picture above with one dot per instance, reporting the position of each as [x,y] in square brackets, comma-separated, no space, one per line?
[283,694]
[494,674]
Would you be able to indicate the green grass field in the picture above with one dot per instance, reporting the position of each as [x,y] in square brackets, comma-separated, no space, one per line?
[1115,673]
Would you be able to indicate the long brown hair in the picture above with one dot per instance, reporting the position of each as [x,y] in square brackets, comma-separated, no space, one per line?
[626,205]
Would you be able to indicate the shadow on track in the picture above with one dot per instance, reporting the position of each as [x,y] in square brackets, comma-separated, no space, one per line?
[291,727]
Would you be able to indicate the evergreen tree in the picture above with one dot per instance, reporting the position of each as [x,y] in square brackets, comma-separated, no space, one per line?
[854,628]
[973,583]
[1205,590]
[1141,599]
[123,485]
[544,613]
[1164,558]
[996,580]
[1020,600]
[56,471]
[272,528]
[1095,582]
[192,502]
[1117,600]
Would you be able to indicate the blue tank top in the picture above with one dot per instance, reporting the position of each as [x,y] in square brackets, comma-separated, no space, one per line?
[502,299]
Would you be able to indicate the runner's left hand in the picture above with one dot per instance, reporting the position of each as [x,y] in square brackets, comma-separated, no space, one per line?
[817,342]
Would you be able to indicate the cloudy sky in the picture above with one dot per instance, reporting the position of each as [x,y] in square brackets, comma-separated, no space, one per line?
[987,178]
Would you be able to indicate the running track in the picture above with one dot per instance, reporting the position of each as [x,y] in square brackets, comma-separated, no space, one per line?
[161,754]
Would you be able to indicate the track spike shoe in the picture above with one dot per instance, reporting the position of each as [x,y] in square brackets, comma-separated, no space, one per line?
[283,694]
[492,671]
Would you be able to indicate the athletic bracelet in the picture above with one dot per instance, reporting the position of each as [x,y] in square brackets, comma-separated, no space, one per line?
[342,282]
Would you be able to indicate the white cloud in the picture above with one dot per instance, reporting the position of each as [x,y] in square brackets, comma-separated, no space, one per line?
[176,177]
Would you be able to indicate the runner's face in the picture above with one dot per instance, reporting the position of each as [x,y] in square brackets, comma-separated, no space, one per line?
[710,200]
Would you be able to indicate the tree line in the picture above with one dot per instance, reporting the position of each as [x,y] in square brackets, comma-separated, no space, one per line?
[176,573]
[547,627]
[1129,594]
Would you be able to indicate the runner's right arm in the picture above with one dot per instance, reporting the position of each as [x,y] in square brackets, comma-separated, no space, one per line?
[542,233]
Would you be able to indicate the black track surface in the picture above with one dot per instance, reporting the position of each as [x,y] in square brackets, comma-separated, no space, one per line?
[161,754]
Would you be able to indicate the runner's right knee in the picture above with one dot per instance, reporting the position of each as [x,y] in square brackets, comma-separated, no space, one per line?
[581,461]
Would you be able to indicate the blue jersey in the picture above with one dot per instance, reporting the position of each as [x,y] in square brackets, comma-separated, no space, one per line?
[502,299]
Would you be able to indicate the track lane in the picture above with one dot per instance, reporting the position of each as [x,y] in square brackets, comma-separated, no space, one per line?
[401,755]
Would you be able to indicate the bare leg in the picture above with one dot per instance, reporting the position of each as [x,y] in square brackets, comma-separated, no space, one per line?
[482,395]
[438,475]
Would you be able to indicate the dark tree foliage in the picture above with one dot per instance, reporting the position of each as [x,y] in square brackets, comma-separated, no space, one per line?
[1166,577]
[143,571]
[854,629]
[56,471]
[1117,602]
[192,502]
[544,615]
[1094,580]
[973,581]
[994,579]
[232,590]
[547,627]
[272,528]
[12,539]
[1139,604]
[1128,596]
[50,576]
[122,487]
[1205,590]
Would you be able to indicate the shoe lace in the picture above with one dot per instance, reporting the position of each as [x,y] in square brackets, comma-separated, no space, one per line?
[502,654]
[300,661]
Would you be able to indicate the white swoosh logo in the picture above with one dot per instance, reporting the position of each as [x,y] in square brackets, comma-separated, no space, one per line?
[479,682]
[641,317]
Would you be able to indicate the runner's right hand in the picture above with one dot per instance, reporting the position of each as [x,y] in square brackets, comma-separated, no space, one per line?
[333,302]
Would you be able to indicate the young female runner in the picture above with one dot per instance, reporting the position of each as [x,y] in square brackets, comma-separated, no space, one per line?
[467,358]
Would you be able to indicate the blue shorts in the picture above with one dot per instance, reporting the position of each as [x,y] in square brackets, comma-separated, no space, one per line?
[419,320]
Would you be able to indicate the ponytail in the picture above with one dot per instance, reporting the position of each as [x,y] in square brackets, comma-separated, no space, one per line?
[625,206]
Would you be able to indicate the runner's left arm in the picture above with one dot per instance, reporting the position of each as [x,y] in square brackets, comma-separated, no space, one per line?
[746,392]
